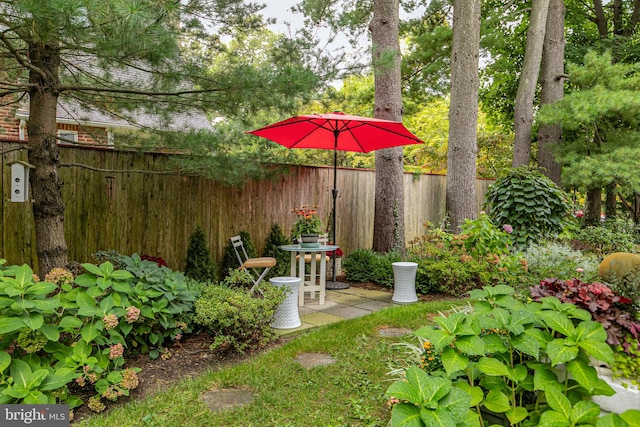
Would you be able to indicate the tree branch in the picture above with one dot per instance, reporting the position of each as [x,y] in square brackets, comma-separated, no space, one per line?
[19,57]
[9,150]
[80,165]
[134,91]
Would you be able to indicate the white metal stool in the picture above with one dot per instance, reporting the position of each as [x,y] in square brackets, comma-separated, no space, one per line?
[286,316]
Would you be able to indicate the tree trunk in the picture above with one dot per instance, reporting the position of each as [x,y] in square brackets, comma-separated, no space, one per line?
[48,205]
[594,206]
[611,200]
[523,110]
[552,83]
[463,114]
[388,224]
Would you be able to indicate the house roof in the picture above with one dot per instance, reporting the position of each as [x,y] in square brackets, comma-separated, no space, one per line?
[71,112]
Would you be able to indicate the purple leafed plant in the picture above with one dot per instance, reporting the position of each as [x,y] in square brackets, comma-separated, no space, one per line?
[614,312]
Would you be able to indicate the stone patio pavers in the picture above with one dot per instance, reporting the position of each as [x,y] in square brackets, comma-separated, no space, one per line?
[218,400]
[348,312]
[320,318]
[311,360]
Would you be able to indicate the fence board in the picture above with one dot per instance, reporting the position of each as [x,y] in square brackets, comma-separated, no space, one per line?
[156,213]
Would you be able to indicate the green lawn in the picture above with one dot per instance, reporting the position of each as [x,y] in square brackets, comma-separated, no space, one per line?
[349,392]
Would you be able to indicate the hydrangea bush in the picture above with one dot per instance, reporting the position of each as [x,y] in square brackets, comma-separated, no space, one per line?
[65,336]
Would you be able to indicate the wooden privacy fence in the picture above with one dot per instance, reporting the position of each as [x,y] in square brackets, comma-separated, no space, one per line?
[155,214]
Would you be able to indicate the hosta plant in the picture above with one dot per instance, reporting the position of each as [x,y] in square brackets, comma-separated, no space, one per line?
[531,204]
[502,358]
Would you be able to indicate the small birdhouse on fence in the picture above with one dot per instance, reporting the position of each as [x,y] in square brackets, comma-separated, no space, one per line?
[20,181]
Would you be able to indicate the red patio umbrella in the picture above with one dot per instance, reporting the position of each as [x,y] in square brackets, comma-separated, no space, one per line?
[337,131]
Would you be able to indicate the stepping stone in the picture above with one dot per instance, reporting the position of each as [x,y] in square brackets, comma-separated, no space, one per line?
[311,360]
[394,332]
[218,400]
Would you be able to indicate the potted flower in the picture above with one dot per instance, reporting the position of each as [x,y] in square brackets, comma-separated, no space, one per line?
[307,226]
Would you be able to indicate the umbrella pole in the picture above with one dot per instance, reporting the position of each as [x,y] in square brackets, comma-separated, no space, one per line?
[333,284]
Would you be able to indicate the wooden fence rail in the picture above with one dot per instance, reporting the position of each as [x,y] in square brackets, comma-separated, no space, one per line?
[155,214]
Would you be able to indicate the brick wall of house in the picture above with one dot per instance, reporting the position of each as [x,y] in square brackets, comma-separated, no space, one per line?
[9,125]
[10,128]
[87,134]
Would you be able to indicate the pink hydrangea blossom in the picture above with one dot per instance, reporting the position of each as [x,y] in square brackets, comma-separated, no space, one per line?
[133,314]
[115,351]
[110,321]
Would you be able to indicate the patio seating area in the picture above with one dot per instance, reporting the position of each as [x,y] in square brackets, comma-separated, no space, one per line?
[340,305]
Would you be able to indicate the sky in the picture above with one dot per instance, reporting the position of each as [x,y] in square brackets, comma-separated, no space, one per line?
[281,10]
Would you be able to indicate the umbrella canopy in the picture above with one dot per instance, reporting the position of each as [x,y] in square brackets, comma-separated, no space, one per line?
[337,131]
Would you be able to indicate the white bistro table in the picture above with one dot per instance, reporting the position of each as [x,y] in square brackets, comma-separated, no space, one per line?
[297,268]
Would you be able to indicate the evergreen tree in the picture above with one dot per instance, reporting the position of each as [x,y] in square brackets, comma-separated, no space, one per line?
[602,129]
[130,58]
[277,238]
[199,264]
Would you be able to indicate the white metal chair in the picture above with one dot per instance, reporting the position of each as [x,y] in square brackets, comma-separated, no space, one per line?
[253,264]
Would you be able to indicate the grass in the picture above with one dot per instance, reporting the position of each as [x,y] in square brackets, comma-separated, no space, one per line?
[349,392]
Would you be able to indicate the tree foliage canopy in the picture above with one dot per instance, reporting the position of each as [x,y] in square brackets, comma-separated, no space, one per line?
[601,122]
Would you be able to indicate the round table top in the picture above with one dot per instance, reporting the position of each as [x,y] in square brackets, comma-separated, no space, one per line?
[300,248]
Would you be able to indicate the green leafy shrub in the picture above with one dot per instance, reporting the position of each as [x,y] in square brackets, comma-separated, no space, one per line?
[235,318]
[49,339]
[531,204]
[603,240]
[358,265]
[382,269]
[503,358]
[447,273]
[165,298]
[483,238]
[277,238]
[455,264]
[199,264]
[365,265]
[109,255]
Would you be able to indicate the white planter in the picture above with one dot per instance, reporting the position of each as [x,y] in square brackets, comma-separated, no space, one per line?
[404,277]
[627,395]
